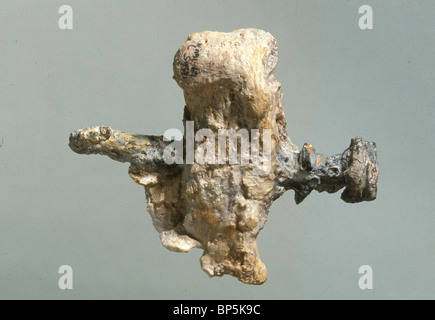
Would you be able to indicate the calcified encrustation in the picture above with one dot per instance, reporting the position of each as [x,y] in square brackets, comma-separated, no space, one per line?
[228,82]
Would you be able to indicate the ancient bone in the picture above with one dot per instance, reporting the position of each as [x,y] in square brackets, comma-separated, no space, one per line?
[228,82]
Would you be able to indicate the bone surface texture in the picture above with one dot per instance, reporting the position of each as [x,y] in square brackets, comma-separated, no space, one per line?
[220,206]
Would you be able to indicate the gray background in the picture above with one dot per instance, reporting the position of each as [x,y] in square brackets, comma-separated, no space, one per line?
[115,68]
